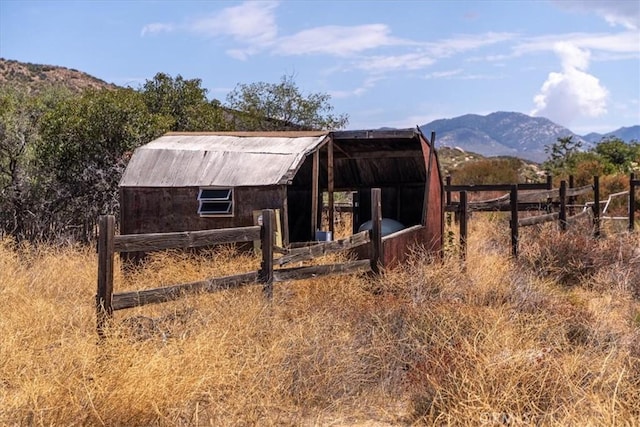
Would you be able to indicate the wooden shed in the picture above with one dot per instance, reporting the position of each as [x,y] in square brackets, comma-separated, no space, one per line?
[197,181]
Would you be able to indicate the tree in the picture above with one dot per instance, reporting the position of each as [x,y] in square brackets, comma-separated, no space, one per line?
[185,102]
[560,153]
[617,155]
[282,106]
[84,147]
[20,114]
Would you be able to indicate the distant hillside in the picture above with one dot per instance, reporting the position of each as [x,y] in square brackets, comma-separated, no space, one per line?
[511,134]
[626,134]
[499,134]
[36,77]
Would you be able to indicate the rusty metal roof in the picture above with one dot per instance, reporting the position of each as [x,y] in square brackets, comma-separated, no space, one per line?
[220,159]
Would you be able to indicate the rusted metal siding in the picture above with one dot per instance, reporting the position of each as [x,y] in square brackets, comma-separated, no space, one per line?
[434,208]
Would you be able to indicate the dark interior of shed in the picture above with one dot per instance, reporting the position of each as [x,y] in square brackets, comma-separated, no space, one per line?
[356,162]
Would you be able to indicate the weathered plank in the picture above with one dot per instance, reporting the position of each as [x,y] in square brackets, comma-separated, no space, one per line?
[310,252]
[184,239]
[538,219]
[576,217]
[300,273]
[496,187]
[538,195]
[572,192]
[151,296]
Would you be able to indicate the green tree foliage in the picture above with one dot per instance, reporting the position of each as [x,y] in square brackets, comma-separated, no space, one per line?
[617,155]
[184,102]
[85,144]
[609,156]
[20,114]
[282,106]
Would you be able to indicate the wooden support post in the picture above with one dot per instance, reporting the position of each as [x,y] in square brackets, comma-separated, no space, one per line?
[563,205]
[448,193]
[376,229]
[632,201]
[572,199]
[314,194]
[513,199]
[462,215]
[106,235]
[596,206]
[330,186]
[355,211]
[549,182]
[267,239]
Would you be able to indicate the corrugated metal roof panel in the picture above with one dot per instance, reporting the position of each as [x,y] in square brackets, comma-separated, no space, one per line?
[182,160]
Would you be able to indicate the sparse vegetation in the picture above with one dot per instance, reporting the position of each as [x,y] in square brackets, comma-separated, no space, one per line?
[553,339]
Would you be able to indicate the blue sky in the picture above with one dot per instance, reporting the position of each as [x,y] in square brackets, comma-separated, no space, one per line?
[385,63]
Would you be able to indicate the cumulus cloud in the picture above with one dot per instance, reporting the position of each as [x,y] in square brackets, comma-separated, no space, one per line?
[571,93]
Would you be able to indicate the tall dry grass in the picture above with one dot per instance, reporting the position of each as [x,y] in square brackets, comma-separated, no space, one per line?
[548,340]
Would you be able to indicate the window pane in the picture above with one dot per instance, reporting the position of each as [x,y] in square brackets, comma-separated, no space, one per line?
[215,194]
[215,208]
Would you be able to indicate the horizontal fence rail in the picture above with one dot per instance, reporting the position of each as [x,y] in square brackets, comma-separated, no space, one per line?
[108,244]
[184,239]
[531,197]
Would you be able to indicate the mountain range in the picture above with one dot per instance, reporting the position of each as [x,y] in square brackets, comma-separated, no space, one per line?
[496,134]
[511,134]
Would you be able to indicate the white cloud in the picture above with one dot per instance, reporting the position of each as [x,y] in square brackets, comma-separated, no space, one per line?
[616,12]
[572,93]
[337,40]
[156,27]
[408,61]
[250,22]
[368,84]
[466,42]
[624,42]
[444,74]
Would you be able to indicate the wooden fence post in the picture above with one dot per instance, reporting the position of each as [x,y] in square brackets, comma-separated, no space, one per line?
[513,199]
[463,225]
[572,199]
[632,200]
[596,206]
[106,234]
[563,205]
[449,215]
[376,229]
[265,275]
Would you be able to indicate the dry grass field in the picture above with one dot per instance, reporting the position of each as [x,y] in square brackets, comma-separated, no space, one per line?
[553,339]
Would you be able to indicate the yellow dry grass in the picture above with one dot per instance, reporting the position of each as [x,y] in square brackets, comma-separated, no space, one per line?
[489,343]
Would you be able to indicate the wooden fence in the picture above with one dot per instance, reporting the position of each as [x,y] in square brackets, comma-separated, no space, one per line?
[109,244]
[558,203]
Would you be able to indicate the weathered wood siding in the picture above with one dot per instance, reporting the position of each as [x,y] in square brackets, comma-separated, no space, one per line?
[161,210]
